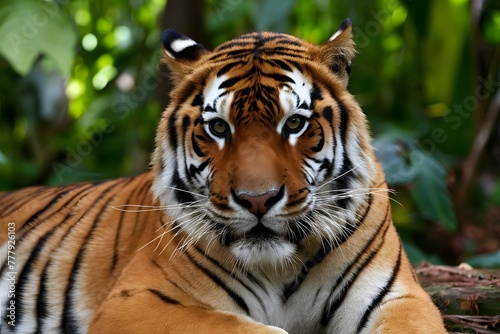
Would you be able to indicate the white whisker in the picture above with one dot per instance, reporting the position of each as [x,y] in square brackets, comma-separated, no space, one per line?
[187,191]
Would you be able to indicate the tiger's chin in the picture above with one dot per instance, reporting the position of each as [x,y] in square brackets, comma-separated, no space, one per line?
[263,252]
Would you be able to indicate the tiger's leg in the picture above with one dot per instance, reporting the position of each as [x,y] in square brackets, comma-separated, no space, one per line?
[150,311]
[409,311]
[399,316]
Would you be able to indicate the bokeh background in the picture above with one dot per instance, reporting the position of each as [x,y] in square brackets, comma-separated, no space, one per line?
[81,92]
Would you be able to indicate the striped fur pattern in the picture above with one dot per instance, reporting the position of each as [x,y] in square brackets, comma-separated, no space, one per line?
[266,211]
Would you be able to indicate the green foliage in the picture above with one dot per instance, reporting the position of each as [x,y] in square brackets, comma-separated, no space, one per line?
[110,86]
[430,191]
[407,164]
[31,28]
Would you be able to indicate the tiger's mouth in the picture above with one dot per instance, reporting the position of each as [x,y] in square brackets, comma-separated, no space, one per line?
[261,234]
[261,246]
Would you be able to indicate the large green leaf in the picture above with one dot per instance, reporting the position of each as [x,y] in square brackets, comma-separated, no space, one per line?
[429,189]
[405,163]
[30,28]
[392,155]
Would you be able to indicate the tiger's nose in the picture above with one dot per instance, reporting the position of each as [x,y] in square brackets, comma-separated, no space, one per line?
[260,204]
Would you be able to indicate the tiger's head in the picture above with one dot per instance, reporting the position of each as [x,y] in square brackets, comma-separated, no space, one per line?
[262,149]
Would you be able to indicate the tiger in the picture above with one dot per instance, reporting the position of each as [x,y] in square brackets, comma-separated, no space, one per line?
[264,211]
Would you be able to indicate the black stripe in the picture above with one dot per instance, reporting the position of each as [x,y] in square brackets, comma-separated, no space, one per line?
[321,142]
[196,147]
[308,157]
[328,115]
[332,307]
[145,189]
[343,182]
[315,94]
[181,192]
[381,294]
[344,120]
[208,108]
[278,77]
[328,165]
[326,248]
[234,43]
[163,297]
[237,298]
[172,129]
[24,277]
[197,101]
[346,171]
[351,227]
[231,82]
[285,53]
[186,121]
[290,288]
[56,194]
[281,64]
[119,228]
[226,68]
[232,275]
[69,322]
[42,302]
[42,306]
[296,202]
[165,276]
[186,92]
[33,221]
[14,195]
[288,41]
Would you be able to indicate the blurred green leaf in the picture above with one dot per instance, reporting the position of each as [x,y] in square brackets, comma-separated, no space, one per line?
[30,28]
[405,163]
[491,260]
[417,255]
[390,153]
[429,189]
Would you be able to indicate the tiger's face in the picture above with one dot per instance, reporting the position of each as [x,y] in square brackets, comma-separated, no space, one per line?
[262,150]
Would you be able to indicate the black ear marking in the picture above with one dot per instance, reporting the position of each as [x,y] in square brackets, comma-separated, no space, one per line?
[338,53]
[181,47]
[341,29]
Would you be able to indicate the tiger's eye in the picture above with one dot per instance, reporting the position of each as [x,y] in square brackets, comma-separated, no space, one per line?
[218,127]
[295,123]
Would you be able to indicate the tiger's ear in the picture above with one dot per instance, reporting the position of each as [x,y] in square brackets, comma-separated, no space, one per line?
[180,54]
[339,51]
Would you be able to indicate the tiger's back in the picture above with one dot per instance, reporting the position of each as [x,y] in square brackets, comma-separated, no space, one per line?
[266,211]
[68,244]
